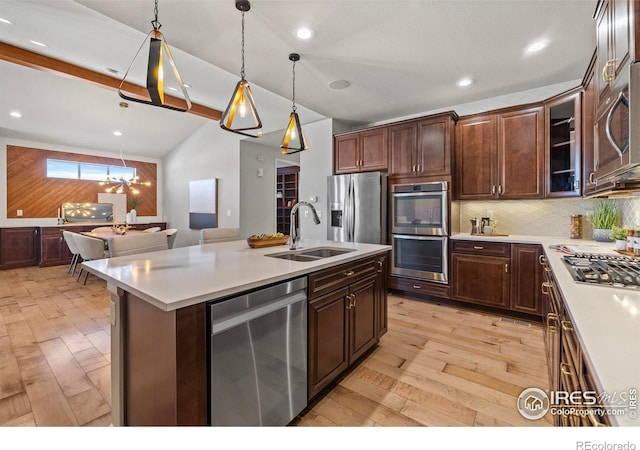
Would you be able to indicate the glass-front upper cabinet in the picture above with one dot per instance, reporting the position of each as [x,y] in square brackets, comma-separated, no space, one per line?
[563,145]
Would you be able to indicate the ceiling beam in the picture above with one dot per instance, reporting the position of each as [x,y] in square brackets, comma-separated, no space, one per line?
[37,61]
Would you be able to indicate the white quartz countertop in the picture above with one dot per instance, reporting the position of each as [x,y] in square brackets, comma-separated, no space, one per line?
[606,319]
[185,276]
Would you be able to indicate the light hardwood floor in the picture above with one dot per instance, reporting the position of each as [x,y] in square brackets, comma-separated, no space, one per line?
[437,366]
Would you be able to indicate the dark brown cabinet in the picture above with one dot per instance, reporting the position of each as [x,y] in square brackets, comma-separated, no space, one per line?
[526,278]
[563,144]
[363,151]
[480,279]
[19,247]
[381,299]
[616,34]
[344,318]
[422,147]
[569,369]
[501,155]
[53,248]
[498,274]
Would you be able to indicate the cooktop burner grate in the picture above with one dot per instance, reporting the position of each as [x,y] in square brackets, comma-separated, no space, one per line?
[604,269]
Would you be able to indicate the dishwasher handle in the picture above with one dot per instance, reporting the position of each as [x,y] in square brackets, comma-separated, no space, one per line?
[218,325]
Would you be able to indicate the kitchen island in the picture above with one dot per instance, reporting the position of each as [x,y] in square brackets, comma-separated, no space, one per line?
[606,321]
[159,334]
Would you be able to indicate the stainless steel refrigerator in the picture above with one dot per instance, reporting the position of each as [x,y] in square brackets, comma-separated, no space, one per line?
[357,205]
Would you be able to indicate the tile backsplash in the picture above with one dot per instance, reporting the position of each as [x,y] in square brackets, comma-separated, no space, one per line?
[542,217]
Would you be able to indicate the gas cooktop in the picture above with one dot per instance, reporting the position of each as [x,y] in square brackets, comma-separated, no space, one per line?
[604,269]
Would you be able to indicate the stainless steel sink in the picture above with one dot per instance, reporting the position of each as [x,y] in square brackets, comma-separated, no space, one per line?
[325,252]
[311,254]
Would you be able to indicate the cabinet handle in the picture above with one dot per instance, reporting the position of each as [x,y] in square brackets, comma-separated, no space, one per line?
[591,175]
[477,247]
[348,298]
[420,168]
[493,189]
[566,325]
[544,285]
[566,369]
[607,77]
[353,300]
[506,268]
[380,266]
[349,273]
[547,269]
[552,317]
[35,232]
[499,189]
[413,168]
[576,185]
[416,286]
[542,260]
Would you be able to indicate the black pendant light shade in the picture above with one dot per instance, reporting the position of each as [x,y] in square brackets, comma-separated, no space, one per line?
[159,54]
[294,140]
[241,115]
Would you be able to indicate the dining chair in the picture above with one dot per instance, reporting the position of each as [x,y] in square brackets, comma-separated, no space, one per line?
[211,235]
[73,248]
[132,244]
[90,248]
[102,230]
[152,230]
[171,236]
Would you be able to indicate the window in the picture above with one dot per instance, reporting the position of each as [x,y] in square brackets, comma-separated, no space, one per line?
[72,170]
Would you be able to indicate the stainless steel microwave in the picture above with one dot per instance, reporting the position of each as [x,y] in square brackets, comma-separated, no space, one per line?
[617,131]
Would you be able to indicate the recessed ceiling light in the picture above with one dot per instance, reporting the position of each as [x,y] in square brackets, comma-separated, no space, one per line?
[536,46]
[465,82]
[117,133]
[173,89]
[7,21]
[39,44]
[15,114]
[339,84]
[113,71]
[186,85]
[304,33]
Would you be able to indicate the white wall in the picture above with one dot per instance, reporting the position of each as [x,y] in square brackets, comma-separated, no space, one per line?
[258,193]
[4,141]
[209,153]
[316,164]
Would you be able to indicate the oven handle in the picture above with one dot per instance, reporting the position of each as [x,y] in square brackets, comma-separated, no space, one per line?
[621,99]
[418,194]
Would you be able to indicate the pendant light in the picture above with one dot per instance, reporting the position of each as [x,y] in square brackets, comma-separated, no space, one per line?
[293,141]
[158,50]
[119,184]
[241,115]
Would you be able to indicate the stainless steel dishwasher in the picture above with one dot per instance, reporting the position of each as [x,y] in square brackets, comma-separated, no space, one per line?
[259,356]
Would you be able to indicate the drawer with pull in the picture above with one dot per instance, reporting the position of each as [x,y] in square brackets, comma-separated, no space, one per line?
[327,280]
[481,248]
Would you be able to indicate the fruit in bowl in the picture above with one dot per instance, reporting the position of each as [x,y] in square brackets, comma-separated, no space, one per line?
[262,237]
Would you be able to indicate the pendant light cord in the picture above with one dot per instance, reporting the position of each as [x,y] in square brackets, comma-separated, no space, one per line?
[123,124]
[154,22]
[293,97]
[242,49]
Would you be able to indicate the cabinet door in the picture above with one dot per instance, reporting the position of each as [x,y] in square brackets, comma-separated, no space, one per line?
[563,144]
[362,317]
[521,154]
[476,158]
[480,279]
[53,250]
[433,153]
[373,151]
[588,122]
[402,148]
[20,247]
[621,33]
[327,339]
[526,278]
[603,46]
[347,153]
[382,293]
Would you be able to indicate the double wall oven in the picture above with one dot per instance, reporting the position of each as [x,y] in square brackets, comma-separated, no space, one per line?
[419,230]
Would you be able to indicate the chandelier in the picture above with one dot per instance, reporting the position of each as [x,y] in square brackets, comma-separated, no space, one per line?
[122,184]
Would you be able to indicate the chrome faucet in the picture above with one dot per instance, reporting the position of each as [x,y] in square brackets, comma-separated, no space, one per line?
[294,233]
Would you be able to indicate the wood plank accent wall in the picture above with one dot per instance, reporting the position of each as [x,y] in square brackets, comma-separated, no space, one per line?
[29,189]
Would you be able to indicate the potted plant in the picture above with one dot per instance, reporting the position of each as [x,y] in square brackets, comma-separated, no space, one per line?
[134,202]
[605,216]
[620,236]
